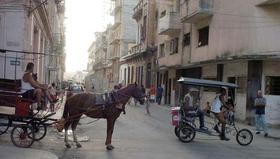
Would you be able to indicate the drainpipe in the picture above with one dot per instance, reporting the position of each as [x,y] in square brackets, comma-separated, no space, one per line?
[190,50]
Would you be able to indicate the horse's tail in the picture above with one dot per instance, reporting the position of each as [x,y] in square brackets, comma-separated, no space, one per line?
[60,123]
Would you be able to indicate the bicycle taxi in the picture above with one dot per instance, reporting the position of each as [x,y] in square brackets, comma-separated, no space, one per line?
[185,126]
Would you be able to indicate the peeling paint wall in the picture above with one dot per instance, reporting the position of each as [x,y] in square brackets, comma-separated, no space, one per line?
[271,68]
[238,69]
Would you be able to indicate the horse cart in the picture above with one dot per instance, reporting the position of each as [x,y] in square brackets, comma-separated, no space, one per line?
[185,126]
[16,112]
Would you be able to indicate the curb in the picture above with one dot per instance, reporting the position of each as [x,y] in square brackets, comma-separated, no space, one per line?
[10,152]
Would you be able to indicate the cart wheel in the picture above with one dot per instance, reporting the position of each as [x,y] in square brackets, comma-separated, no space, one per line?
[186,133]
[176,129]
[244,137]
[19,136]
[4,124]
[40,131]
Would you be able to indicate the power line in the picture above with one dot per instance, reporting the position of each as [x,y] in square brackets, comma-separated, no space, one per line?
[27,52]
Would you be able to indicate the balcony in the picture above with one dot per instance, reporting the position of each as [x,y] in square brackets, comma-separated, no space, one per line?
[135,51]
[115,36]
[117,7]
[138,10]
[268,2]
[169,24]
[197,10]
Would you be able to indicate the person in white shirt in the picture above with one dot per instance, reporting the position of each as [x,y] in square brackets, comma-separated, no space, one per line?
[218,103]
[32,89]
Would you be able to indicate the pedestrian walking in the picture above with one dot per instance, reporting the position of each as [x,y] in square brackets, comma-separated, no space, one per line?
[159,94]
[143,89]
[260,104]
[148,103]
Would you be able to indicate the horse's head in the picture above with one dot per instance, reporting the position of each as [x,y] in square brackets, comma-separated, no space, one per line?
[136,93]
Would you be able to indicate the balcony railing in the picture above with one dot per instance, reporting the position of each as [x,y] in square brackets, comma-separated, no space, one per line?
[136,49]
[196,10]
[137,11]
[169,24]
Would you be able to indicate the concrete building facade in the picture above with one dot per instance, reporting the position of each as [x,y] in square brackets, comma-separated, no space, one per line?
[123,34]
[32,27]
[140,60]
[99,65]
[234,43]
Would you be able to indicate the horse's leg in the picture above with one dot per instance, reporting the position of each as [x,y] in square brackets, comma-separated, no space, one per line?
[74,126]
[67,124]
[110,129]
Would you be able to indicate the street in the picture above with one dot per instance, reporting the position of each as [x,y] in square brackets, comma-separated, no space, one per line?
[139,136]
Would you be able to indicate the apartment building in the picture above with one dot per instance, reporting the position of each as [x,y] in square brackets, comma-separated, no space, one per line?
[169,52]
[33,27]
[99,65]
[140,60]
[229,41]
[122,36]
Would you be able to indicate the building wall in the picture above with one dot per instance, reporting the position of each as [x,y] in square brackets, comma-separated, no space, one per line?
[29,32]
[228,22]
[270,68]
[128,26]
[12,38]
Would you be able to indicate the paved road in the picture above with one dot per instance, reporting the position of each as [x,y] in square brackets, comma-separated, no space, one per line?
[139,136]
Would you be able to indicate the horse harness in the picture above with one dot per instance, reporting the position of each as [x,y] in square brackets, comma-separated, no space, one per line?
[107,99]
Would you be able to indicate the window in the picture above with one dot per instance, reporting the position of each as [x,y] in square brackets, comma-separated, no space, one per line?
[162,14]
[161,50]
[187,39]
[144,29]
[272,85]
[174,46]
[132,74]
[203,36]
[124,76]
[156,19]
[128,75]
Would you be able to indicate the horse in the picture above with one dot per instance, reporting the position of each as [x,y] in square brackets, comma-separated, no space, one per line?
[85,104]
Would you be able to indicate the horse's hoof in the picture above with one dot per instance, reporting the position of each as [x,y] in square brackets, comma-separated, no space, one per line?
[68,146]
[78,145]
[110,147]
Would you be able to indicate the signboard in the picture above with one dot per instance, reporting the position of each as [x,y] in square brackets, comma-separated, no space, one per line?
[14,63]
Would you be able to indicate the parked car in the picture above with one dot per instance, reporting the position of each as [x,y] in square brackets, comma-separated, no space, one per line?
[75,89]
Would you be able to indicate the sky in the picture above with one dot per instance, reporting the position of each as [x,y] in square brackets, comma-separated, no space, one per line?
[83,19]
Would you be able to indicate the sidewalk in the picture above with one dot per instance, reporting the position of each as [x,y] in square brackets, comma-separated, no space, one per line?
[11,152]
[273,132]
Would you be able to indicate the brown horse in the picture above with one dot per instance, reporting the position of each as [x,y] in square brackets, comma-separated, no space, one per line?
[86,103]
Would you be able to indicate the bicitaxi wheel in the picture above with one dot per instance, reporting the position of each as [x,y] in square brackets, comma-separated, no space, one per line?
[186,133]
[20,136]
[244,137]
[39,129]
